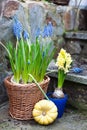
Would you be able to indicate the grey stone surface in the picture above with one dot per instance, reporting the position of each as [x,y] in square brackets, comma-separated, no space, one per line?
[73,47]
[37,15]
[73,77]
[5,29]
[76,35]
[71,120]
[3,93]
[83,20]
[76,44]
[77,95]
[70,19]
[75,3]
[75,19]
[78,78]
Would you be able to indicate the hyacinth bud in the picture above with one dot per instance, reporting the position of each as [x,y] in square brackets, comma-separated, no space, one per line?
[43,54]
[29,62]
[38,32]
[25,35]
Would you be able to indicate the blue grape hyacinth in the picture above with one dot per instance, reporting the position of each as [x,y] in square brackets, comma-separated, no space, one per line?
[38,32]
[17,28]
[48,30]
[25,35]
[77,70]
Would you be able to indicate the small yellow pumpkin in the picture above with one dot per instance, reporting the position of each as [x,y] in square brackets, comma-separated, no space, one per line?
[45,112]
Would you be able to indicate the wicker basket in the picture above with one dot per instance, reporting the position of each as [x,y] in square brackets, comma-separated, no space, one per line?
[22,98]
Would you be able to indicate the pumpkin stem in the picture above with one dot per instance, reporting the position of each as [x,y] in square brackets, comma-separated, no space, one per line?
[39,87]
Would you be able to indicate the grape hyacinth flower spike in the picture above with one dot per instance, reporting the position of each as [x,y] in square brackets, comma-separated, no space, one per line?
[77,70]
[17,28]
[48,30]
[38,32]
[25,35]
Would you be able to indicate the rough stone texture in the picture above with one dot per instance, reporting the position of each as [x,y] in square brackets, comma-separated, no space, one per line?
[76,35]
[76,44]
[3,94]
[10,8]
[7,12]
[3,74]
[77,95]
[73,47]
[70,19]
[75,3]
[71,120]
[83,20]
[75,18]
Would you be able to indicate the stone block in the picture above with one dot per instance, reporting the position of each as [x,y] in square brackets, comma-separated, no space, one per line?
[71,19]
[3,93]
[10,8]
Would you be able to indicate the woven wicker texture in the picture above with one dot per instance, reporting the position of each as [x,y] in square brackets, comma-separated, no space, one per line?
[23,98]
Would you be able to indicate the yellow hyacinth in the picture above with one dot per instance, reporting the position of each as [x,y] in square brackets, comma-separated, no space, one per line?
[64,61]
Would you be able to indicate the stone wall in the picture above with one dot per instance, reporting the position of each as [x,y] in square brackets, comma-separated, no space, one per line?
[76,44]
[76,2]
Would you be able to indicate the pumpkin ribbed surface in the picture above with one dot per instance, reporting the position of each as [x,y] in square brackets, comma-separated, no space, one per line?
[45,112]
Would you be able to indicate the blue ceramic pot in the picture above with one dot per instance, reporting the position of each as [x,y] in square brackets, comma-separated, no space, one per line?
[59,102]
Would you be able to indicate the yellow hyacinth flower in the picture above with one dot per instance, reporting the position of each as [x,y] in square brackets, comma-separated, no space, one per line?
[64,61]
